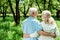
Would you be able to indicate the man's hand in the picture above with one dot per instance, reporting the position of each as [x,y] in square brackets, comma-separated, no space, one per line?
[26,35]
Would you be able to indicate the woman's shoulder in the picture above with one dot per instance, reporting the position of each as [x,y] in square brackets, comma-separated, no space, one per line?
[42,22]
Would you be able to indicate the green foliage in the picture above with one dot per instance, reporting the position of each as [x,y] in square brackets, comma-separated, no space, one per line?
[9,31]
[54,4]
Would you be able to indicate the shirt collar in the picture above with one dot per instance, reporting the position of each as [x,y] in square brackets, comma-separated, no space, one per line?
[31,17]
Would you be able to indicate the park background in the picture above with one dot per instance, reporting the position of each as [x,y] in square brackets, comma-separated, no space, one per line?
[13,12]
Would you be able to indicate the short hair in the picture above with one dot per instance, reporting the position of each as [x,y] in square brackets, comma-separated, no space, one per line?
[31,10]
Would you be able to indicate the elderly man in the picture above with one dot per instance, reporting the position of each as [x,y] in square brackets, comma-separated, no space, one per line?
[31,25]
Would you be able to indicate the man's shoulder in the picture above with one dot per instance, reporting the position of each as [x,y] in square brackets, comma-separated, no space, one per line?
[35,21]
[25,20]
[31,20]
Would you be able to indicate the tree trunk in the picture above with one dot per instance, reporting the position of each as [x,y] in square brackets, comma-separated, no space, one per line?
[49,6]
[17,16]
[44,4]
[24,11]
[11,8]
[30,5]
[4,13]
[0,7]
[58,14]
[17,12]
[58,0]
[38,5]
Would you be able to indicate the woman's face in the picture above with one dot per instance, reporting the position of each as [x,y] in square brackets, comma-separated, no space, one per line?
[43,16]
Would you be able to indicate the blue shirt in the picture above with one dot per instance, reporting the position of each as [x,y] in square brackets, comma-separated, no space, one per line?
[31,25]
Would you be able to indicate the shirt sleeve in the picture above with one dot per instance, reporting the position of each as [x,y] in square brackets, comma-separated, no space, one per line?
[38,26]
[23,29]
[57,32]
[35,34]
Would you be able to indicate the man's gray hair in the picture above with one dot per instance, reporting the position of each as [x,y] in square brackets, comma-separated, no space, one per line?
[31,10]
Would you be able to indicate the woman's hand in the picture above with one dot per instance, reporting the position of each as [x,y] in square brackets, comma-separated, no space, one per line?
[46,34]
[26,35]
[53,35]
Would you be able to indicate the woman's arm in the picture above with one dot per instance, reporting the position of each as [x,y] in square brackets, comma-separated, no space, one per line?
[57,32]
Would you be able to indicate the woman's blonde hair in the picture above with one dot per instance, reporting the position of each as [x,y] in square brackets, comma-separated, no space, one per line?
[48,18]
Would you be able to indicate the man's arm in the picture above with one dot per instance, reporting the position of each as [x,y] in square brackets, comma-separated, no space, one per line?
[39,33]
[46,34]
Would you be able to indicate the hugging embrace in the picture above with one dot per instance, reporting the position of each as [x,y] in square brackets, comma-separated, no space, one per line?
[35,30]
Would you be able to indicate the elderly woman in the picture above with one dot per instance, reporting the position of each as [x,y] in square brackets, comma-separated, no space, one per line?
[48,25]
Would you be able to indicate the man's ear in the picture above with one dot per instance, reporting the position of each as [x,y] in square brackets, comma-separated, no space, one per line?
[32,13]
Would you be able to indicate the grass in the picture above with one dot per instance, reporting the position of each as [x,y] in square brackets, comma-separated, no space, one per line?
[58,25]
[9,31]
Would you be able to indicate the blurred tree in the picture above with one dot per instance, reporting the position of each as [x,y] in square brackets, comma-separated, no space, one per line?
[17,12]
[49,5]
[26,7]
[58,14]
[29,5]
[44,4]
[3,8]
[17,15]
[38,5]
[4,13]
[24,10]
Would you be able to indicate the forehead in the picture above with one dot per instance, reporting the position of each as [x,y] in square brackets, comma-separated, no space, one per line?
[43,14]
